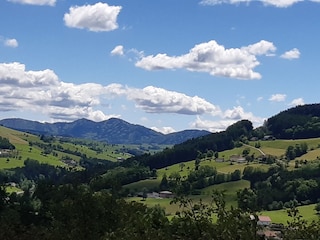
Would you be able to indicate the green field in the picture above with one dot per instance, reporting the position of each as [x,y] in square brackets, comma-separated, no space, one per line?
[279,147]
[65,148]
[281,216]
[230,191]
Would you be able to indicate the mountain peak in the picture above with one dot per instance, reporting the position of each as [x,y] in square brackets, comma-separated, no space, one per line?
[113,130]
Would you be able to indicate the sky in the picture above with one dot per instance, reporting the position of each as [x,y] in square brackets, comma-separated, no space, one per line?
[169,65]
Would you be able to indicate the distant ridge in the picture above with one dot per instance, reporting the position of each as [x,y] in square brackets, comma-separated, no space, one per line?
[113,130]
[298,122]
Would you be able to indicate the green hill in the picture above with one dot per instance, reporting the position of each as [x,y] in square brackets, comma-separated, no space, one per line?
[299,122]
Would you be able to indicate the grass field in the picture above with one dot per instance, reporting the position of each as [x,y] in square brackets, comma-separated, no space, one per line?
[281,216]
[65,148]
[279,147]
[230,191]
[147,183]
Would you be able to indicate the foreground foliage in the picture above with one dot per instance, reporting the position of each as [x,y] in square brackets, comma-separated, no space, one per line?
[76,212]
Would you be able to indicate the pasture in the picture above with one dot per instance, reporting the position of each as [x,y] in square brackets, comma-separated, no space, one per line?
[229,189]
[281,216]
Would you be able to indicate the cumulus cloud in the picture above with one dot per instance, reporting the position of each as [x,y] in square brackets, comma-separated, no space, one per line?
[274,3]
[281,3]
[238,113]
[297,102]
[11,43]
[230,116]
[158,100]
[164,130]
[278,97]
[16,74]
[43,91]
[35,2]
[292,54]
[118,50]
[211,125]
[97,18]
[214,59]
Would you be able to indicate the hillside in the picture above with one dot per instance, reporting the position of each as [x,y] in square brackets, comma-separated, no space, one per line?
[113,131]
[299,122]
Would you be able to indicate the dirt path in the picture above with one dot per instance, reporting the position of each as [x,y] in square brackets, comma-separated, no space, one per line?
[258,149]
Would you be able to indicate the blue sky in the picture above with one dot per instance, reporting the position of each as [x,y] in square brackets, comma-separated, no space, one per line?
[169,65]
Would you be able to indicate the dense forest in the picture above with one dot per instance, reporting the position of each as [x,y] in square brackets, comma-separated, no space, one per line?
[280,188]
[296,123]
[190,149]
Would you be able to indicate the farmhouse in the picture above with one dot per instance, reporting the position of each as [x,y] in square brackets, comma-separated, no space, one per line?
[5,153]
[219,159]
[264,220]
[237,158]
[166,194]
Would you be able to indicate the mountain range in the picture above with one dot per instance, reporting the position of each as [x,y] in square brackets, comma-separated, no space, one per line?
[113,130]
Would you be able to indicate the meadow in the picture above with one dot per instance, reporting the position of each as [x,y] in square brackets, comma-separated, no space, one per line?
[29,146]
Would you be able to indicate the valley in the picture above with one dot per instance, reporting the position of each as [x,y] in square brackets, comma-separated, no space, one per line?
[239,169]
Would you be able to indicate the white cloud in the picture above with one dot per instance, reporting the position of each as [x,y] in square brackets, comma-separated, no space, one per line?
[11,43]
[278,97]
[292,54]
[44,92]
[238,113]
[217,2]
[281,3]
[118,50]
[274,3]
[214,59]
[260,48]
[211,125]
[158,100]
[230,116]
[98,17]
[35,2]
[164,130]
[16,74]
[297,102]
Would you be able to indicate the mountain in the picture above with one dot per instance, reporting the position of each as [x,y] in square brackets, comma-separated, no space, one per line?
[114,131]
[299,122]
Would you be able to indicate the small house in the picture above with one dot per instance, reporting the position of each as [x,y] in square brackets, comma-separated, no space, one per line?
[238,159]
[166,194]
[264,220]
[219,159]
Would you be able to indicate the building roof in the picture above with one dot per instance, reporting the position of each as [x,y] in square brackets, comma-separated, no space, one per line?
[264,218]
[166,192]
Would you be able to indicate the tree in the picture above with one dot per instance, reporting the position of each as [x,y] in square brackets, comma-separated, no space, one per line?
[144,194]
[181,165]
[164,182]
[317,208]
[290,153]
[247,200]
[196,164]
[236,175]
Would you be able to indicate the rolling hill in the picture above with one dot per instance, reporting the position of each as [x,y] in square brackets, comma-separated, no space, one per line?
[114,131]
